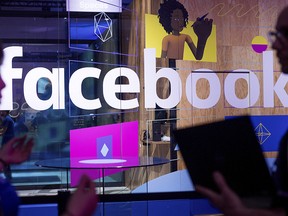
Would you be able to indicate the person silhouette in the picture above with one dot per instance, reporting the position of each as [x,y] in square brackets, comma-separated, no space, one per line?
[7,133]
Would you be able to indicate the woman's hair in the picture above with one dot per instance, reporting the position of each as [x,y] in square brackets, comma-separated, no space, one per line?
[165,11]
[1,53]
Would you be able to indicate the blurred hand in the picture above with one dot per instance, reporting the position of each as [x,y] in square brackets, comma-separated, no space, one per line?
[226,199]
[229,202]
[17,150]
[84,201]
[203,28]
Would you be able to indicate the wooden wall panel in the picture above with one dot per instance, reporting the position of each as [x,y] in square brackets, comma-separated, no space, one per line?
[237,23]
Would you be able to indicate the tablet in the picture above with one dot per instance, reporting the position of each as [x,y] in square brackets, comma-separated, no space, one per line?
[230,147]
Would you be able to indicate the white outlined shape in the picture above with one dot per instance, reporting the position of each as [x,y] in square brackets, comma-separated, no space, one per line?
[103,26]
[104,150]
[262,133]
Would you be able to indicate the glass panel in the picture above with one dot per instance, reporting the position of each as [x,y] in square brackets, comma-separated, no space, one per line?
[79,80]
[74,76]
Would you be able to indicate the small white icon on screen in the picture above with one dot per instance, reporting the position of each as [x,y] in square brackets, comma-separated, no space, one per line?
[104,150]
[103,26]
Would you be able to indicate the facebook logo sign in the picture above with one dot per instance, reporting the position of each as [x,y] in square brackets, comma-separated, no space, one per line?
[104,147]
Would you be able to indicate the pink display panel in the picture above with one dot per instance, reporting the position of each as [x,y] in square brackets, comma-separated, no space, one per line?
[96,151]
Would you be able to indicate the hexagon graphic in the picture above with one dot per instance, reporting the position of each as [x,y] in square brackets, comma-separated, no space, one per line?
[103,26]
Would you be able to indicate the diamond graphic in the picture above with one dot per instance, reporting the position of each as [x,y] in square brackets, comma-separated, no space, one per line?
[262,133]
[103,26]
[104,147]
[104,150]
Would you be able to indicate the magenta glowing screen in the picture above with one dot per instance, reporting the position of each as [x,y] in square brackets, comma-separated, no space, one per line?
[100,151]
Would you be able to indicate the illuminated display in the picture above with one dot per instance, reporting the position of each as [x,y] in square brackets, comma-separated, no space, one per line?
[94,6]
[103,146]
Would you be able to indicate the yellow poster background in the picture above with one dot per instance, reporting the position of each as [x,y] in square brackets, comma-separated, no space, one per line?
[154,33]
